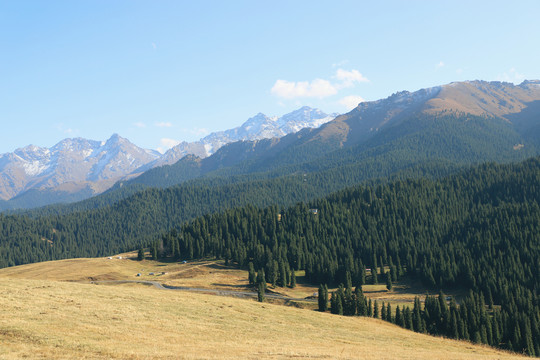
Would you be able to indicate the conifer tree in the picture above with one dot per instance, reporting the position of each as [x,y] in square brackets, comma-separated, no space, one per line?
[140,254]
[375,309]
[251,273]
[293,279]
[261,278]
[260,292]
[281,282]
[348,280]
[325,295]
[154,251]
[388,281]
[399,319]
[408,318]
[323,301]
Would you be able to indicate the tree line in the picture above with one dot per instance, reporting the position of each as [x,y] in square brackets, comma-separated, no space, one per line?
[476,230]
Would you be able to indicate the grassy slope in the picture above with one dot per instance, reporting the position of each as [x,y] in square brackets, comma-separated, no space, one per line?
[41,317]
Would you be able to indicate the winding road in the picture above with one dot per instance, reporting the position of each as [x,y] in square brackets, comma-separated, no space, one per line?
[242,294]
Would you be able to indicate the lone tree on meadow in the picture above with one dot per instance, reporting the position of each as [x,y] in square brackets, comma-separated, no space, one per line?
[252,276]
[260,292]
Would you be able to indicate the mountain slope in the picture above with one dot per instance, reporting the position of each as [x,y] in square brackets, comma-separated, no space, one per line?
[256,128]
[76,169]
[404,130]
[71,161]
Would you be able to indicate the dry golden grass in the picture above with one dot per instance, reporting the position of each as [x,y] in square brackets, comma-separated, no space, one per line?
[208,274]
[43,314]
[61,320]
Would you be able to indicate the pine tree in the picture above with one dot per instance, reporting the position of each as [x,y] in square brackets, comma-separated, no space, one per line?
[389,313]
[348,280]
[399,319]
[375,309]
[261,278]
[251,274]
[408,318]
[293,279]
[281,282]
[388,281]
[140,254]
[325,296]
[418,322]
[260,292]
[274,273]
[323,301]
[154,251]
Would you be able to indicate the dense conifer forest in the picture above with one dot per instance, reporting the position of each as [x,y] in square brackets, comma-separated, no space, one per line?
[478,230]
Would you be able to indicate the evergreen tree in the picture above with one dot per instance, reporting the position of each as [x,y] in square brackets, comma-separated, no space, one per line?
[282,278]
[293,279]
[408,318]
[398,318]
[251,273]
[261,278]
[322,299]
[348,280]
[154,250]
[418,321]
[325,297]
[260,292]
[140,254]
[388,281]
[389,313]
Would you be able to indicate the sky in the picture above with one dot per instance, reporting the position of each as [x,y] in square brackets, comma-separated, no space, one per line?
[161,72]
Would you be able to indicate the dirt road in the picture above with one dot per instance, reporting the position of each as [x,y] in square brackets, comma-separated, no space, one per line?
[231,293]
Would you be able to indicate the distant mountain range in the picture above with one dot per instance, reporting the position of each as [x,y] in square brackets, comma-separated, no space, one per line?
[455,124]
[452,125]
[78,168]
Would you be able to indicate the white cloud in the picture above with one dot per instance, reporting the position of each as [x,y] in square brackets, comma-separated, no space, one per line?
[340,63]
[166,144]
[349,78]
[512,76]
[318,88]
[440,65]
[68,131]
[154,45]
[163,124]
[140,124]
[459,71]
[351,101]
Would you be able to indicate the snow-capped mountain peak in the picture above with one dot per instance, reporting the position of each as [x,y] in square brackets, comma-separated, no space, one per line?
[257,127]
[83,161]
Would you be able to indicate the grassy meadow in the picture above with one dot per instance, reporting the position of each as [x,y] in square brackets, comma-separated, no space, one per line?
[46,312]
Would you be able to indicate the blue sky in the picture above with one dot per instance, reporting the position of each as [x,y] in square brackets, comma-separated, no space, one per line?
[159,72]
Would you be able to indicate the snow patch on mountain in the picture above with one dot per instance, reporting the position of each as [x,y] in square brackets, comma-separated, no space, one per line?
[257,127]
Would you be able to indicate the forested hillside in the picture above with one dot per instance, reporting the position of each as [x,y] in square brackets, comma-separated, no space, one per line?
[477,230]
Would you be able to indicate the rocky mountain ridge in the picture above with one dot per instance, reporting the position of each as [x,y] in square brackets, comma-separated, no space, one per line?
[79,164]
